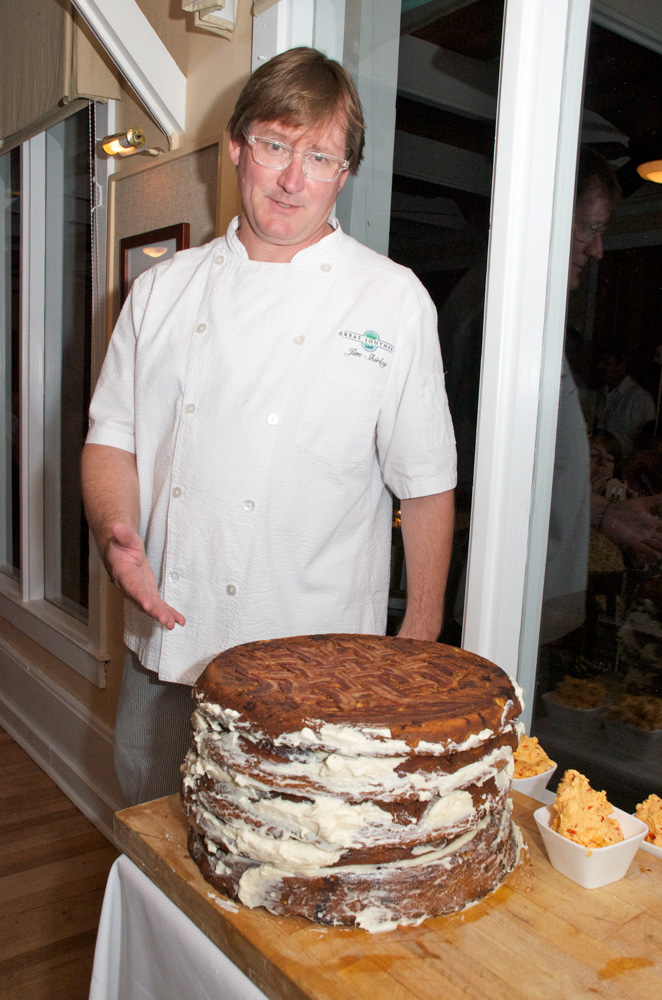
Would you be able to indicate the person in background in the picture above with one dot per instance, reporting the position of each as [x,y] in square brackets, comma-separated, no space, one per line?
[575,508]
[262,400]
[606,481]
[623,407]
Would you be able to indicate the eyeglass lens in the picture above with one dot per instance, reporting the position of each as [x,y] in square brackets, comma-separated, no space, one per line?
[586,231]
[317,166]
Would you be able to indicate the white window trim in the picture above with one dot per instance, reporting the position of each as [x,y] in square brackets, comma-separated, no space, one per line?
[144,60]
[80,645]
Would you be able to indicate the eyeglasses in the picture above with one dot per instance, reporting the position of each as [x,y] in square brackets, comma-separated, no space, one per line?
[586,232]
[278,156]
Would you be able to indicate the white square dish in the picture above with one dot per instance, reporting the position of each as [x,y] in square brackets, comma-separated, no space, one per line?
[591,868]
[535,785]
[651,849]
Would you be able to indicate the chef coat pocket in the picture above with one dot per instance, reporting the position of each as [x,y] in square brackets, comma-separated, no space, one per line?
[339,421]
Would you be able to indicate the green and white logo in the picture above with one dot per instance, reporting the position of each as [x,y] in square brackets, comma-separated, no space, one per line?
[368,340]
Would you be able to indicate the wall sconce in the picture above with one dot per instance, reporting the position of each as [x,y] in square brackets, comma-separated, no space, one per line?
[124,143]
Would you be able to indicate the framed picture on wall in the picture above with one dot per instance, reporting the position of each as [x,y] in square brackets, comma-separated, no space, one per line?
[138,253]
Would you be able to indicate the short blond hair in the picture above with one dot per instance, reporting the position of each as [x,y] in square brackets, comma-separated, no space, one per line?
[301,88]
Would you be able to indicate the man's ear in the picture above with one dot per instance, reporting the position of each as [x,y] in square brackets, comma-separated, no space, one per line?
[234,148]
[343,177]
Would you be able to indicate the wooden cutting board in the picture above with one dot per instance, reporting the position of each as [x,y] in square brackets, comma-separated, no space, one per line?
[539,935]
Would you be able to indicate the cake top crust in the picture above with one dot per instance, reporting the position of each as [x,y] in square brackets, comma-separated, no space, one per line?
[405,693]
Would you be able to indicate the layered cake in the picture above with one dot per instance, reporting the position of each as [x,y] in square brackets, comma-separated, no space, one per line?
[352,779]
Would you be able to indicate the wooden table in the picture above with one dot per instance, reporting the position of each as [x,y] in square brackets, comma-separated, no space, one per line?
[538,935]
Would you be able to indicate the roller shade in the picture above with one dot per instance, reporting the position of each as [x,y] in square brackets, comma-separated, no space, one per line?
[50,66]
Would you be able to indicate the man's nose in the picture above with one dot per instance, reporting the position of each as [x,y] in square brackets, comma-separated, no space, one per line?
[595,248]
[292,177]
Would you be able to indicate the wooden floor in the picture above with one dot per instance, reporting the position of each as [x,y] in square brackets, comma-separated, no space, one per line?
[53,869]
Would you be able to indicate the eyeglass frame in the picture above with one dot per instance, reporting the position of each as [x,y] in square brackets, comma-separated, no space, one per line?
[593,230]
[341,165]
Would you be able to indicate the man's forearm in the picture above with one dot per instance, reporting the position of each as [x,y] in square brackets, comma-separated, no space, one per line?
[110,490]
[427,534]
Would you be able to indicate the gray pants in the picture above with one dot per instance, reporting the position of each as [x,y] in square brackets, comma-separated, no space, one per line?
[152,733]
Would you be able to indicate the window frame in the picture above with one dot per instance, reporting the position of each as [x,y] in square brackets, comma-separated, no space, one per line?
[81,645]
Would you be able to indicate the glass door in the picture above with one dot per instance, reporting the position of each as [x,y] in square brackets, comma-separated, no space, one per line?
[598,695]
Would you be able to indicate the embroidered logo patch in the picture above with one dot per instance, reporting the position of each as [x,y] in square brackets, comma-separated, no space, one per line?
[368,340]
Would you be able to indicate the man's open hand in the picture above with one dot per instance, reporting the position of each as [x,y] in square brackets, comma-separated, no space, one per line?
[124,558]
[633,526]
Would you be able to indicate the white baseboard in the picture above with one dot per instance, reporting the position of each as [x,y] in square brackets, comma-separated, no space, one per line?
[70,744]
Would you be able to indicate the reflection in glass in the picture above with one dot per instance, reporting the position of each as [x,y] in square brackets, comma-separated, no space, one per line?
[598,706]
[10,244]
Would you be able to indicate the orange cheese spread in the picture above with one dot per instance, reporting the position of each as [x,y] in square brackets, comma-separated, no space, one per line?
[584,815]
[530,758]
[650,811]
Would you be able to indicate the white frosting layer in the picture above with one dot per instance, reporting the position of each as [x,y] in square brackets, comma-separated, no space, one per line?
[343,775]
[373,740]
[261,884]
[264,872]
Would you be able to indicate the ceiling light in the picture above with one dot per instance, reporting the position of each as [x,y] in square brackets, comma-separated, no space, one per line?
[651,171]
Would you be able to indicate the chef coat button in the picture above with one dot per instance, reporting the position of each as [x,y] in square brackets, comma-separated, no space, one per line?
[299,340]
[190,408]
[177,492]
[219,259]
[201,327]
[249,504]
[173,576]
[325,267]
[272,418]
[231,589]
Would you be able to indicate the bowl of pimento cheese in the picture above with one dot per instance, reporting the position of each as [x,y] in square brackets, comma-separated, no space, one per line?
[650,811]
[532,767]
[586,838]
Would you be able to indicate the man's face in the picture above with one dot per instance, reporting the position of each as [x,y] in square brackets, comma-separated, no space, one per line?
[284,211]
[592,209]
[612,370]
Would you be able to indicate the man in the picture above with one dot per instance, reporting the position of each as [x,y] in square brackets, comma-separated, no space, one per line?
[623,407]
[574,507]
[262,399]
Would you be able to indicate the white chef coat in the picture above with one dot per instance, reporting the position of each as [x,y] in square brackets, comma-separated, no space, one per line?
[269,406]
[624,411]
[566,572]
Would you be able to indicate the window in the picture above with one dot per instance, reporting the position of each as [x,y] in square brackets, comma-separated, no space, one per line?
[52,227]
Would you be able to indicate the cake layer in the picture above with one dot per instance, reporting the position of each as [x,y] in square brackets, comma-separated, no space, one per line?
[349,774]
[373,896]
[289,830]
[378,694]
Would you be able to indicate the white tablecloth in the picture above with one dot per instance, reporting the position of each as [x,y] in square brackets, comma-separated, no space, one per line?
[147,949]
